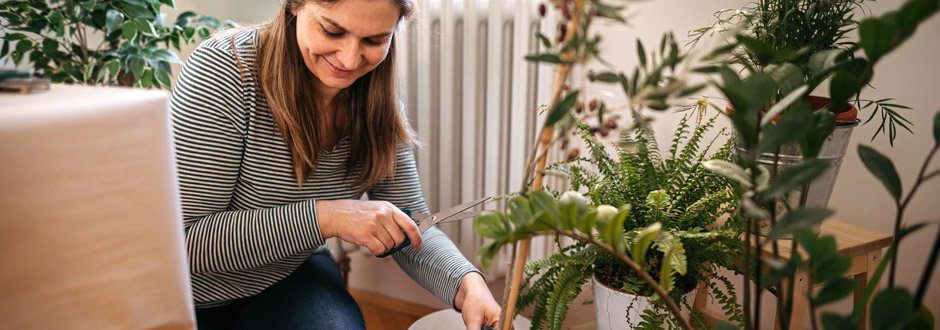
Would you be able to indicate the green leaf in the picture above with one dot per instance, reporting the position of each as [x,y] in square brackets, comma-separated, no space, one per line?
[547,58]
[561,108]
[203,32]
[147,79]
[643,241]
[49,46]
[185,17]
[725,325]
[795,177]
[519,211]
[728,170]
[545,42]
[877,37]
[834,290]
[542,201]
[821,63]
[163,77]
[138,12]
[55,17]
[783,104]
[491,224]
[843,86]
[23,46]
[762,53]
[607,76]
[569,215]
[15,36]
[136,65]
[5,49]
[790,127]
[833,321]
[883,169]
[798,219]
[166,55]
[89,69]
[170,3]
[587,221]
[145,27]
[129,30]
[613,231]
[923,320]
[114,67]
[211,22]
[641,52]
[113,21]
[892,309]
[936,128]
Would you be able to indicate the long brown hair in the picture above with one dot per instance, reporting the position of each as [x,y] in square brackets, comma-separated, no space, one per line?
[376,126]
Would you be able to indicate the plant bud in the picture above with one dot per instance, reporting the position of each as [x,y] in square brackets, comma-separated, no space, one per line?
[564,144]
[575,197]
[579,107]
[610,123]
[562,30]
[593,105]
[573,153]
[605,213]
[542,10]
[594,129]
[604,132]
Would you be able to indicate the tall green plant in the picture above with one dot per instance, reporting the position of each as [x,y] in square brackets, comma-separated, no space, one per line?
[850,70]
[796,42]
[107,42]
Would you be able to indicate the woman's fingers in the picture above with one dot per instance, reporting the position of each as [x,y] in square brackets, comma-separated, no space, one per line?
[409,227]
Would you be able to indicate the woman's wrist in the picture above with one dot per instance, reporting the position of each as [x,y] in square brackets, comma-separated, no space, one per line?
[324,219]
[469,282]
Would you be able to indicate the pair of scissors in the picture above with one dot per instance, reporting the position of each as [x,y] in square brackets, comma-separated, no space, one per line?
[425,221]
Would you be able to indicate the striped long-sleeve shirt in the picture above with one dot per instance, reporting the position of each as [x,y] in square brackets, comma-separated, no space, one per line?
[248,224]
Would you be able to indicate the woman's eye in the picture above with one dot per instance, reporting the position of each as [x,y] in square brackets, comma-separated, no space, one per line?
[333,34]
[372,42]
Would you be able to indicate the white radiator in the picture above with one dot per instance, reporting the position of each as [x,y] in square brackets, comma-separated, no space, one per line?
[473,98]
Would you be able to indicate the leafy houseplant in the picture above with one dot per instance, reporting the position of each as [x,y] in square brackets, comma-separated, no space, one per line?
[136,43]
[797,42]
[673,201]
[849,70]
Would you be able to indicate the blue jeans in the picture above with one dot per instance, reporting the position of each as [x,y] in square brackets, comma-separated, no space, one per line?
[313,297]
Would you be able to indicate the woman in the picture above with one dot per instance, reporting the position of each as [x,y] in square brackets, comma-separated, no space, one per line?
[279,130]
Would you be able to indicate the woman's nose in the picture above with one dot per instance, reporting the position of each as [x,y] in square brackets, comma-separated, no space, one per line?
[349,54]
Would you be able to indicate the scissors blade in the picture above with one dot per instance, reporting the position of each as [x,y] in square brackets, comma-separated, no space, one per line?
[444,215]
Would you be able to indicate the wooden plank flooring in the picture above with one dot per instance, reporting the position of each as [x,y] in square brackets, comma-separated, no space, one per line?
[386,313]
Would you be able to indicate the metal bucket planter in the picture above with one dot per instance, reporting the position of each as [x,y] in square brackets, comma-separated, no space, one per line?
[817,193]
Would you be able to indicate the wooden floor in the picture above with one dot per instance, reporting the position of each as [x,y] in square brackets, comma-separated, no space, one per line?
[385,313]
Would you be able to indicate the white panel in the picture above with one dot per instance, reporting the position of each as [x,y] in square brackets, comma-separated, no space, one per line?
[426,161]
[446,108]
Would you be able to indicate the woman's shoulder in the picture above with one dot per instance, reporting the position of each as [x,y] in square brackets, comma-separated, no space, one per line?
[231,45]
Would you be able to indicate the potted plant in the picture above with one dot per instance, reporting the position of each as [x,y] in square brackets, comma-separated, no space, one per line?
[801,45]
[673,201]
[752,92]
[136,42]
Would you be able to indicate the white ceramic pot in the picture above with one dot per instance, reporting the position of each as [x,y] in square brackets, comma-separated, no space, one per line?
[618,310]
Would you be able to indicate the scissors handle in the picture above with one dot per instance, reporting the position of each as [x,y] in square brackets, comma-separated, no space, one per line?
[407,241]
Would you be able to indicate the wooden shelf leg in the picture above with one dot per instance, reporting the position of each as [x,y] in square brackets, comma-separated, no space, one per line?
[874,257]
[798,315]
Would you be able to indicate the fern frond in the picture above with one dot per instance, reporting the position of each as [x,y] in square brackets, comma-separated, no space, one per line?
[566,287]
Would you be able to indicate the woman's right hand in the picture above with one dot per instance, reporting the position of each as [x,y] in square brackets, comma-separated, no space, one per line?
[376,225]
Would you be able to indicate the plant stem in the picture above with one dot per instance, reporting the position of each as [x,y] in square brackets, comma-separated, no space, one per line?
[901,207]
[747,273]
[928,272]
[508,283]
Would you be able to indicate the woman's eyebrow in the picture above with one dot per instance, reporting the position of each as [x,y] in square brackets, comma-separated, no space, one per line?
[335,25]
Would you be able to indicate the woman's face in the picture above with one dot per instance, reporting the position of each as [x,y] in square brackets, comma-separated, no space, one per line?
[344,40]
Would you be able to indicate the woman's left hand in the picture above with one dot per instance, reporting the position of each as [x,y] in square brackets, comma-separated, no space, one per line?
[476,303]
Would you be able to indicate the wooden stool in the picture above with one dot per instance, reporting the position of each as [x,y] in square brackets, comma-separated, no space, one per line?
[863,245]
